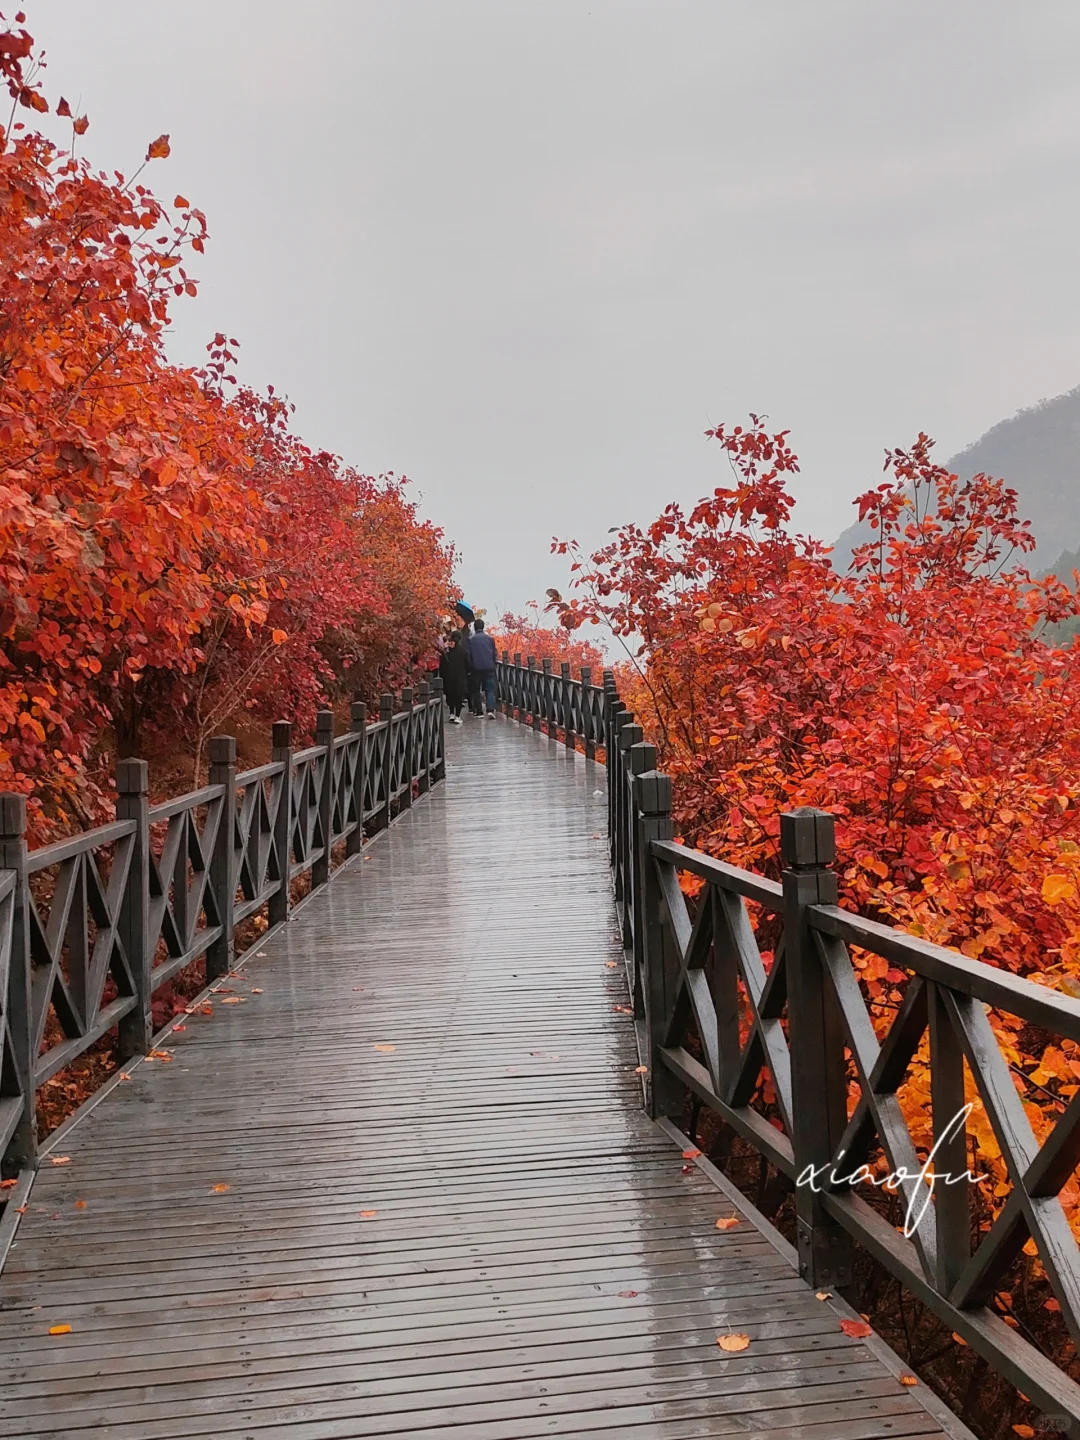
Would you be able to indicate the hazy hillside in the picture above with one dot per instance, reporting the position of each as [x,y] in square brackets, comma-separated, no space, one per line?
[1037,452]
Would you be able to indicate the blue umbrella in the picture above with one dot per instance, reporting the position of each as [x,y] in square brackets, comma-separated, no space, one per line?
[467,613]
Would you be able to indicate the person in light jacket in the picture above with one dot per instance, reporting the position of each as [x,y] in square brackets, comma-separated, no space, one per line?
[482,655]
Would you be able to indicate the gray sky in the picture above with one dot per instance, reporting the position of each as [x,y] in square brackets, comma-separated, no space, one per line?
[525,251]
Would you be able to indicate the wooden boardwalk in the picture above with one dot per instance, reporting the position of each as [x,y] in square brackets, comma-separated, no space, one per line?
[402,1186]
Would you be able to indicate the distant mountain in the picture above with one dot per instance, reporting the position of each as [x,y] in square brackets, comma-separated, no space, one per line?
[1037,452]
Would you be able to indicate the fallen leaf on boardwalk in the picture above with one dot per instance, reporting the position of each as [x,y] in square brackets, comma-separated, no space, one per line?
[688,1169]
[177,1028]
[80,1204]
[124,1075]
[206,1010]
[908,1380]
[368,1214]
[958,1338]
[357,989]
[641,1069]
[8,1184]
[21,1210]
[1025,1431]
[824,1294]
[259,954]
[385,1049]
[612,964]
[857,1329]
[691,1154]
[727,1224]
[59,1329]
[59,1159]
[596,837]
[623,1009]
[733,1342]
[159,1055]
[628,1294]
[233,1000]
[218,1189]
[256,991]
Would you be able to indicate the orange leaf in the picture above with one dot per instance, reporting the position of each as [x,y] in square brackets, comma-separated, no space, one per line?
[824,1295]
[180,202]
[279,636]
[628,1294]
[958,1338]
[727,1223]
[1025,1431]
[80,1204]
[733,1342]
[691,1154]
[908,1380]
[8,1184]
[218,1189]
[124,1075]
[641,1069]
[59,1329]
[81,125]
[857,1329]
[59,1159]
[159,149]
[368,1214]
[385,1049]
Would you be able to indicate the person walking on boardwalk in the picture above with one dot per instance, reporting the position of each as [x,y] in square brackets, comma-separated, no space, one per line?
[454,669]
[482,654]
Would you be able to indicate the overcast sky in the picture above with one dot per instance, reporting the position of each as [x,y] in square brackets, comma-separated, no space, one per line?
[525,251]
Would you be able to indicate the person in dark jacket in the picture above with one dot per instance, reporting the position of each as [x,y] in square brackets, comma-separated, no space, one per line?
[454,669]
[482,655]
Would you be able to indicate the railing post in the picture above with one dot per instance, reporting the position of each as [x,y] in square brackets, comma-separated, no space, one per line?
[133,803]
[534,693]
[816,1042]
[651,800]
[17,1083]
[407,704]
[548,702]
[619,799]
[586,713]
[386,712]
[438,720]
[219,955]
[516,692]
[324,736]
[423,717]
[281,754]
[358,724]
[568,706]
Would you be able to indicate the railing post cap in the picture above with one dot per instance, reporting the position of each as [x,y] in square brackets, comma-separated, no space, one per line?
[281,734]
[629,733]
[807,838]
[132,777]
[641,756]
[358,712]
[12,814]
[547,665]
[324,720]
[564,668]
[223,750]
[652,792]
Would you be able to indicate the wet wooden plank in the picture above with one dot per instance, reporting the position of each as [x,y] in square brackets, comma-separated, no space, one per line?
[399,1182]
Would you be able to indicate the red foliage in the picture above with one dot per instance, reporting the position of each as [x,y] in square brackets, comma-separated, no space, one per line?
[524,635]
[166,549]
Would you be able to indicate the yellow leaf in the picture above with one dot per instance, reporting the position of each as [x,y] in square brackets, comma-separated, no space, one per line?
[59,1329]
[1055,888]
[908,1380]
[733,1342]
[218,1189]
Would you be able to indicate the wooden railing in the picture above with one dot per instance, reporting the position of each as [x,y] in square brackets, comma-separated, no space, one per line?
[93,926]
[567,709]
[753,979]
